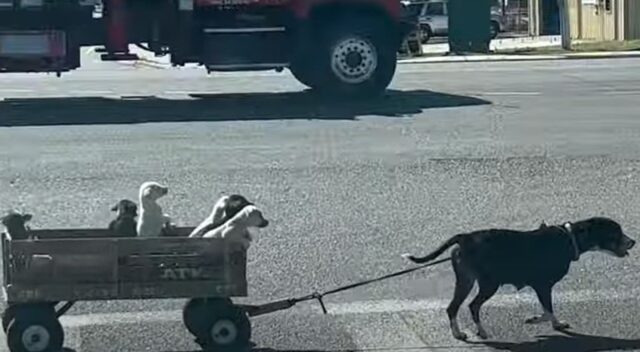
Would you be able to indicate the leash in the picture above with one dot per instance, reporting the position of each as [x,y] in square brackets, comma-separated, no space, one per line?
[319,296]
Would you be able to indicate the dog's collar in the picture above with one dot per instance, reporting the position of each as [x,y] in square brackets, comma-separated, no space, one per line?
[566,227]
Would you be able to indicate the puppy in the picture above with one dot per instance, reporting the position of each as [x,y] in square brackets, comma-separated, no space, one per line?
[239,227]
[124,225]
[225,208]
[152,220]
[538,259]
[15,224]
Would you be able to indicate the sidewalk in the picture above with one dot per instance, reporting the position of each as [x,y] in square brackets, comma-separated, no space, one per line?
[502,44]
[437,53]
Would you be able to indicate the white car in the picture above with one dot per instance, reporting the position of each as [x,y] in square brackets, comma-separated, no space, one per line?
[434,19]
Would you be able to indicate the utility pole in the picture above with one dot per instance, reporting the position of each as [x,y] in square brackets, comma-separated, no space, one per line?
[565,24]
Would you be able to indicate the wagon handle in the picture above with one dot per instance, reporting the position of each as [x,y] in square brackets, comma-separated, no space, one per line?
[288,303]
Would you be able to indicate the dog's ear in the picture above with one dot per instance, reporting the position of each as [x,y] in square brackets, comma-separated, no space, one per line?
[27,217]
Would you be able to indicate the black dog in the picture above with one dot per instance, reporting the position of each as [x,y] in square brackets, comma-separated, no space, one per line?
[15,223]
[124,225]
[538,259]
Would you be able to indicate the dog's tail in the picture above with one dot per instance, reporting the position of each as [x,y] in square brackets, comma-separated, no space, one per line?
[435,254]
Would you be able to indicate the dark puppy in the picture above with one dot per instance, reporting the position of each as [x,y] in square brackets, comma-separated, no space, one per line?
[124,225]
[538,258]
[15,223]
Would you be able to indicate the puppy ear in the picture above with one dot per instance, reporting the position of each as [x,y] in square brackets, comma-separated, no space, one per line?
[27,217]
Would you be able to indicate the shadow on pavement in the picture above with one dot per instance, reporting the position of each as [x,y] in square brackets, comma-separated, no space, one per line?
[220,107]
[570,342]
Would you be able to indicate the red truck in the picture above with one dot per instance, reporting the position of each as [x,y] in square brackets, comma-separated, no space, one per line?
[344,47]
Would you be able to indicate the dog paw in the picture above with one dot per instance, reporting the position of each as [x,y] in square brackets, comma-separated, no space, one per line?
[482,334]
[561,326]
[460,336]
[537,319]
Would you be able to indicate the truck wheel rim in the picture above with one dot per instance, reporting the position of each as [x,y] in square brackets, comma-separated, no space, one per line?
[224,332]
[35,338]
[354,60]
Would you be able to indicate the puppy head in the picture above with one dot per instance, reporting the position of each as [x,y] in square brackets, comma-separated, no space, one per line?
[250,217]
[15,222]
[234,204]
[227,207]
[152,191]
[604,234]
[126,208]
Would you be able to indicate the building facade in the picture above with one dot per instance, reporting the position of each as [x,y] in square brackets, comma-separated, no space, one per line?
[589,19]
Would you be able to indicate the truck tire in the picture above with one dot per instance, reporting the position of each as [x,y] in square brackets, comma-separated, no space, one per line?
[495,29]
[357,57]
[425,34]
[35,329]
[303,73]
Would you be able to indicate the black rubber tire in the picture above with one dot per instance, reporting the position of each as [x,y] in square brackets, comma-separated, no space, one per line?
[7,317]
[9,313]
[220,312]
[195,311]
[426,34]
[26,317]
[495,29]
[303,73]
[369,29]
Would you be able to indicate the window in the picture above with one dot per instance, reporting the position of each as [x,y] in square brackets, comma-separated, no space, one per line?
[435,9]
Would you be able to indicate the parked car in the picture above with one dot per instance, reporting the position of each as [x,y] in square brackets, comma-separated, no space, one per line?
[434,19]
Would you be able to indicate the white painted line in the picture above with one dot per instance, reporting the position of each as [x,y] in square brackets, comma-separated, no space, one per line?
[621,92]
[368,307]
[181,92]
[92,92]
[10,90]
[510,93]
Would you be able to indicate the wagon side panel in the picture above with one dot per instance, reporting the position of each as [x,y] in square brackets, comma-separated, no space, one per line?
[181,267]
[58,270]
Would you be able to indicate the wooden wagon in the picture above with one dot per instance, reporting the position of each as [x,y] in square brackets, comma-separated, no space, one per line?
[65,266]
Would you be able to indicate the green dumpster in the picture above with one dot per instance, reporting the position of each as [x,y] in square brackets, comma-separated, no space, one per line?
[469,26]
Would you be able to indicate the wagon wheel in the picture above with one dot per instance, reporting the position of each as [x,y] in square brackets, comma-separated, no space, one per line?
[221,327]
[195,312]
[10,312]
[35,328]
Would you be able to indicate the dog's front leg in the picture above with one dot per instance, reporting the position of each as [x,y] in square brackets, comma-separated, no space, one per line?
[544,297]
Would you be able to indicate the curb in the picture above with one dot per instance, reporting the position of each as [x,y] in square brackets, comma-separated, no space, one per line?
[504,57]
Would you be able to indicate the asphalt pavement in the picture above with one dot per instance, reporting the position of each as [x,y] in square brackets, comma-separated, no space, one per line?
[348,187]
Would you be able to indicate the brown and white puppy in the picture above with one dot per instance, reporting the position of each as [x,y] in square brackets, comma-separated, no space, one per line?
[152,220]
[15,225]
[225,208]
[124,225]
[539,259]
[240,226]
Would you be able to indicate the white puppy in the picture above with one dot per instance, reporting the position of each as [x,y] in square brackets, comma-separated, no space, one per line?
[151,220]
[225,208]
[238,228]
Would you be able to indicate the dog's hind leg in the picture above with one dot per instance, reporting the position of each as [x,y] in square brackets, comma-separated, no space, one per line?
[464,283]
[544,297]
[486,290]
